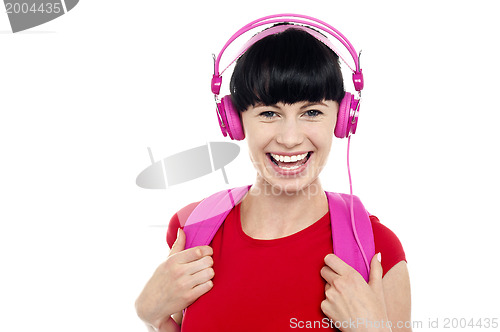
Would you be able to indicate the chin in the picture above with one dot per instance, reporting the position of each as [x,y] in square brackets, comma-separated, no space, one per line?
[292,186]
[276,181]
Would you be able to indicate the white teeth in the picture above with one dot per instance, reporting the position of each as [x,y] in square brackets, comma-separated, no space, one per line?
[288,159]
[289,168]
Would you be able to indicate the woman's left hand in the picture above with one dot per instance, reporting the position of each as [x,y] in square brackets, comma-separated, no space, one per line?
[351,303]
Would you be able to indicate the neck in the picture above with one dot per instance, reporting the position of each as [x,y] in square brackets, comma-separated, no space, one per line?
[269,212]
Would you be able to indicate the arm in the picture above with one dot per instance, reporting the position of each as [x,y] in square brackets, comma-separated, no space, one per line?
[168,326]
[396,284]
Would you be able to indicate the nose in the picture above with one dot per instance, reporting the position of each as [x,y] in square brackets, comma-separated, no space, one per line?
[290,133]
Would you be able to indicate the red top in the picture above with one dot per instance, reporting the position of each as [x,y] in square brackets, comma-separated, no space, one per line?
[271,285]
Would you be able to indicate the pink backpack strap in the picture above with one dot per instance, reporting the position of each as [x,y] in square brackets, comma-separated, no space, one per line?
[344,235]
[207,217]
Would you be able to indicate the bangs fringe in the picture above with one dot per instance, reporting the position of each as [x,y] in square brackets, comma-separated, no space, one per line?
[288,67]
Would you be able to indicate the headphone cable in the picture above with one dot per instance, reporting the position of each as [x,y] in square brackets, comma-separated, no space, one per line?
[352,210]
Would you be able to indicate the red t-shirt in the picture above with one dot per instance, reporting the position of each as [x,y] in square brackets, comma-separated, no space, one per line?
[271,285]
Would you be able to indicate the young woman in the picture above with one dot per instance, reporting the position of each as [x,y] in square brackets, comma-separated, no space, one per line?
[270,265]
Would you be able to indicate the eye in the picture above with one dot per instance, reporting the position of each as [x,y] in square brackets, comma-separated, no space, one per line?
[268,114]
[313,113]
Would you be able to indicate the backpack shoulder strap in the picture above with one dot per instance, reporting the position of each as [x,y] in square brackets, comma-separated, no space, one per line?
[206,218]
[345,237]
[209,214]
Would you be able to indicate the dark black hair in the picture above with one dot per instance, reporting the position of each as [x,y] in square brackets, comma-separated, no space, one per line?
[287,67]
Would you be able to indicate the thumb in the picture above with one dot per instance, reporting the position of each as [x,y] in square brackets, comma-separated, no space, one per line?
[376,272]
[180,242]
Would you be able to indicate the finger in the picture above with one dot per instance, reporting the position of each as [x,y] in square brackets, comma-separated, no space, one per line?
[179,243]
[201,277]
[326,307]
[376,272]
[194,254]
[328,274]
[196,266]
[201,289]
[337,265]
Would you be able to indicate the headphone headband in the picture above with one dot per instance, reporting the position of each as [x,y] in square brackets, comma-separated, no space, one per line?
[313,22]
[280,28]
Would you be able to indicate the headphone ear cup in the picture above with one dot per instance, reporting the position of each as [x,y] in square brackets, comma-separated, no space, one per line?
[231,119]
[341,128]
[346,124]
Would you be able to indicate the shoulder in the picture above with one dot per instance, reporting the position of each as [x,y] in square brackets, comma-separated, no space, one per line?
[177,221]
[388,244]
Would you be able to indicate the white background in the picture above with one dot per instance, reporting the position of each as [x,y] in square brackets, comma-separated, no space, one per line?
[83,96]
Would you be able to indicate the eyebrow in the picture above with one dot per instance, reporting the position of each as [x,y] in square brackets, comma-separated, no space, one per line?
[264,105]
[302,107]
[313,104]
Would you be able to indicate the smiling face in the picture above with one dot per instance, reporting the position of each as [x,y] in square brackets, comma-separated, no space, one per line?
[289,144]
[287,88]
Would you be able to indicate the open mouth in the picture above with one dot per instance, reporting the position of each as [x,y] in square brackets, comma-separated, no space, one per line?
[289,163]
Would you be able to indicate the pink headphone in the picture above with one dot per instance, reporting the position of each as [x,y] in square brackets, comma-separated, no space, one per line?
[347,118]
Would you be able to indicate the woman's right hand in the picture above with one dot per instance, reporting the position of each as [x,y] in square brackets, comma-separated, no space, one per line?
[177,282]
